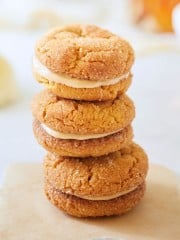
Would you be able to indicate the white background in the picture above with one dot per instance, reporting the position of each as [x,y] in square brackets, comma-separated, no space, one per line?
[155,91]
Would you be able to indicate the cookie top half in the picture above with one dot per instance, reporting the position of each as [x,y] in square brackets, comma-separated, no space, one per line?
[85,52]
[80,117]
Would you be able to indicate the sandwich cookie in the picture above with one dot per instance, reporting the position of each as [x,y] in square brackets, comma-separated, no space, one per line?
[78,128]
[82,148]
[102,186]
[83,62]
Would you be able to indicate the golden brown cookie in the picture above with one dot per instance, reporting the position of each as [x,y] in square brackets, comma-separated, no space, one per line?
[95,178]
[60,116]
[83,62]
[82,148]
[79,207]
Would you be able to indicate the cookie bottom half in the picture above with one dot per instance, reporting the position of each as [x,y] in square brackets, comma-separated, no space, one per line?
[83,148]
[102,93]
[79,207]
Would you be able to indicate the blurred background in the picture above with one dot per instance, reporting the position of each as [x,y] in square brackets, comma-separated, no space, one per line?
[152,27]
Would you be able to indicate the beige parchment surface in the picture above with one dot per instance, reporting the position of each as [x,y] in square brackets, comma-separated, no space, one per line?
[25,213]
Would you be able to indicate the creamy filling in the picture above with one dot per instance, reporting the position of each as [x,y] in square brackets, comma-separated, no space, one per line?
[72,82]
[61,135]
[108,197]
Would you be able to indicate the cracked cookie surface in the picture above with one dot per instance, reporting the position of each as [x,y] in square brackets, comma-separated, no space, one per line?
[99,176]
[80,117]
[85,52]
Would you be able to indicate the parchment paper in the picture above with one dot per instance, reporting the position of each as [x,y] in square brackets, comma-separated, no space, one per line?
[25,213]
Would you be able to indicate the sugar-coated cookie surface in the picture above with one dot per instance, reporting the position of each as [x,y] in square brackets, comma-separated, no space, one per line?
[82,148]
[83,62]
[85,52]
[106,175]
[79,117]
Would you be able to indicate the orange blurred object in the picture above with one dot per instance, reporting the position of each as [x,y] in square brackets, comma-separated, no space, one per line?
[159,10]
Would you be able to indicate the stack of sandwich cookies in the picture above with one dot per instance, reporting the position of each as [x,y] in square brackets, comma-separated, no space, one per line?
[83,119]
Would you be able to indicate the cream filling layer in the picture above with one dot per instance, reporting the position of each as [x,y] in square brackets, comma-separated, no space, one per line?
[108,197]
[61,135]
[71,82]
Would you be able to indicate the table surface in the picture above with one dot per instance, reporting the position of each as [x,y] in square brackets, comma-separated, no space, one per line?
[155,91]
